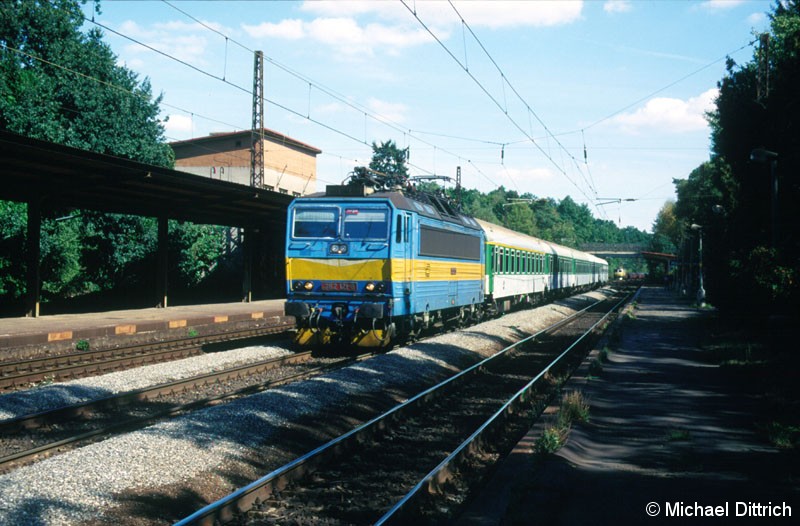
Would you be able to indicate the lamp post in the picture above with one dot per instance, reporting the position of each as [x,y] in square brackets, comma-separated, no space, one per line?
[761,155]
[701,292]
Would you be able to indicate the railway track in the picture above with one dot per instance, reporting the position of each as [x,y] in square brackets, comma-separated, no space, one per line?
[392,465]
[39,435]
[24,373]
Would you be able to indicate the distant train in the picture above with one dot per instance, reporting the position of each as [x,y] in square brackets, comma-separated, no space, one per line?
[620,274]
[366,268]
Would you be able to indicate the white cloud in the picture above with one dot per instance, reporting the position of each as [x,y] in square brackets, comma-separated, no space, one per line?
[178,125]
[617,6]
[669,115]
[287,29]
[184,41]
[721,5]
[757,19]
[391,111]
[363,28]
[343,34]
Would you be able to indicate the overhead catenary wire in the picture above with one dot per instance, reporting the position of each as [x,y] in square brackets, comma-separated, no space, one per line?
[341,98]
[333,94]
[497,103]
[504,82]
[505,145]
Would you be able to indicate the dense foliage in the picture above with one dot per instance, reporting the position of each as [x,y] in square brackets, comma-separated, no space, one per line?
[564,222]
[60,84]
[751,247]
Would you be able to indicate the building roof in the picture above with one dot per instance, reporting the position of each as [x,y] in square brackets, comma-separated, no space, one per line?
[66,177]
[268,134]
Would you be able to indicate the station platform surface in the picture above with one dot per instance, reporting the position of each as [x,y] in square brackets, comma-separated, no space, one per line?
[672,438]
[26,337]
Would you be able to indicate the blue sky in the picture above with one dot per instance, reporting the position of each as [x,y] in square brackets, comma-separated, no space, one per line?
[515,94]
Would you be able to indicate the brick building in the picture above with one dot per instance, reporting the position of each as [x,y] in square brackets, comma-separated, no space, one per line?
[290,166]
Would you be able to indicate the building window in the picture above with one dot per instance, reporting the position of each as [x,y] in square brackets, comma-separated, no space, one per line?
[283,190]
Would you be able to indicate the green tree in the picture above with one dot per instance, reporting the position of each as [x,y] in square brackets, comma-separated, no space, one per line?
[62,85]
[520,219]
[666,224]
[579,216]
[388,159]
[753,113]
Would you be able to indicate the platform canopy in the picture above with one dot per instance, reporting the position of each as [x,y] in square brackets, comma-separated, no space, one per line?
[65,177]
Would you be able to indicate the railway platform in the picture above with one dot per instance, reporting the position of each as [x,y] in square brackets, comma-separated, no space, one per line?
[672,437]
[22,338]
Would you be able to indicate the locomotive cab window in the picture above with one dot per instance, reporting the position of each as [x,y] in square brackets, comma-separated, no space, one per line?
[399,229]
[366,223]
[315,222]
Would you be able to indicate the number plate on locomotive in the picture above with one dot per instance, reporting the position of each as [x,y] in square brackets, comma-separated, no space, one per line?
[338,286]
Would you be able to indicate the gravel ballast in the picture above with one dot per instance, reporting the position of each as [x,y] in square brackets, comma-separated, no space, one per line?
[84,484]
[52,396]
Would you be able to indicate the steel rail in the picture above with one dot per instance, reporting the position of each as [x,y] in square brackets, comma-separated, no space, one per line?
[138,423]
[438,476]
[36,420]
[246,497]
[75,365]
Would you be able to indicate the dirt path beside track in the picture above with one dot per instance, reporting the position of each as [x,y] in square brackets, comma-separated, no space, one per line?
[672,438]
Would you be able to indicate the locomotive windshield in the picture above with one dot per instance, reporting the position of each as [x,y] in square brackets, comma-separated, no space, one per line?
[357,223]
[365,223]
[316,222]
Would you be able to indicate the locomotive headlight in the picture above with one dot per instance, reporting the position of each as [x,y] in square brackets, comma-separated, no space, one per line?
[338,248]
[369,287]
[308,285]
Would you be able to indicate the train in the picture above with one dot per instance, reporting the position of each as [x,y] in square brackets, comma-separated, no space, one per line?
[367,265]
[620,274]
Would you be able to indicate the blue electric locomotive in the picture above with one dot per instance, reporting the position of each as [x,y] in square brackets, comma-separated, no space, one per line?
[363,265]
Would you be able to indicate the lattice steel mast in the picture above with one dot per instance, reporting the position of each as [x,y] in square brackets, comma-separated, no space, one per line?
[257,131]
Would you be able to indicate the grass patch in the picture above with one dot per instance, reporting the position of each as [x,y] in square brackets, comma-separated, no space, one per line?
[573,408]
[782,435]
[82,345]
[551,441]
